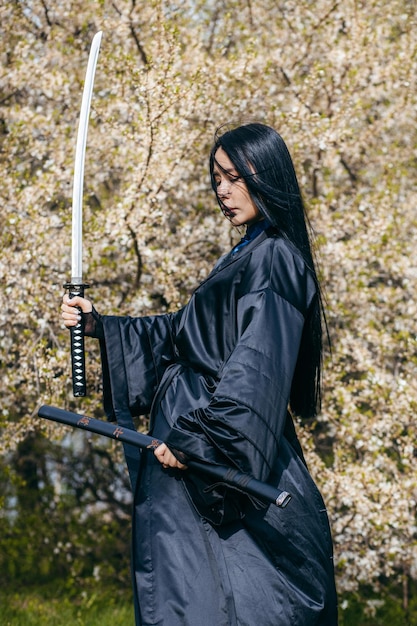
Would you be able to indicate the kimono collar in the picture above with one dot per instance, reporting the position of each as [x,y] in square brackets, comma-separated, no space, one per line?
[252,231]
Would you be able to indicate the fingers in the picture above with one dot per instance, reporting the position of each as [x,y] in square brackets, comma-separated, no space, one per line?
[70,315]
[166,458]
[84,304]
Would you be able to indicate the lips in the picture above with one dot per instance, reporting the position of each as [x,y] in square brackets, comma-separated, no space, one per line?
[228,211]
[229,214]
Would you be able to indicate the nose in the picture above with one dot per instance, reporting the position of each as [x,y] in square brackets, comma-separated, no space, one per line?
[224,188]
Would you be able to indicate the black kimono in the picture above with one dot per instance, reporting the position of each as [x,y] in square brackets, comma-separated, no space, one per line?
[216,378]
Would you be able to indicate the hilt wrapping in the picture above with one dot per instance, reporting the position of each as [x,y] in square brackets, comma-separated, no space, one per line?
[79,385]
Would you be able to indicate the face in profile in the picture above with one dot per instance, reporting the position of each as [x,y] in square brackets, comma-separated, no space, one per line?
[231,189]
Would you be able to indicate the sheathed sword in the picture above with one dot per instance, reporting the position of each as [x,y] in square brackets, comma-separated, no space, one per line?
[227,475]
[76,286]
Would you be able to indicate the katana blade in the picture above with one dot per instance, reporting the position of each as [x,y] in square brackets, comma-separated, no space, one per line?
[76,286]
[227,475]
[77,194]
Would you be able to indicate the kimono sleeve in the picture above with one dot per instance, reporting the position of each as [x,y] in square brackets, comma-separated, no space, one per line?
[245,419]
[135,353]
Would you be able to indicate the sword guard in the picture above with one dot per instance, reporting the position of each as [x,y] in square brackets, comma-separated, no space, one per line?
[79,385]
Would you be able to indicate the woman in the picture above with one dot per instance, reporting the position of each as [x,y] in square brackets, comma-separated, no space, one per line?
[221,378]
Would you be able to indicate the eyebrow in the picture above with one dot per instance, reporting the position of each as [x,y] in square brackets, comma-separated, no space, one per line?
[223,169]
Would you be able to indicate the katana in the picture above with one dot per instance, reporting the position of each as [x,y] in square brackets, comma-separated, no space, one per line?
[227,475]
[76,286]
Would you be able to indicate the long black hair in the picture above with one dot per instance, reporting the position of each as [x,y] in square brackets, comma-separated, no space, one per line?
[261,158]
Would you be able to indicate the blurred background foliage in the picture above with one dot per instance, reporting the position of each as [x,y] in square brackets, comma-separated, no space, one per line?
[337,80]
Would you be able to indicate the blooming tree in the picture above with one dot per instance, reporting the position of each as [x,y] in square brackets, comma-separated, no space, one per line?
[336,79]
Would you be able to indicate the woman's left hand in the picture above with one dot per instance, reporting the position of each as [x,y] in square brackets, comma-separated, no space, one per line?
[167,458]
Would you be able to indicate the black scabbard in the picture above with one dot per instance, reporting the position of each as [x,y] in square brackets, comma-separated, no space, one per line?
[232,477]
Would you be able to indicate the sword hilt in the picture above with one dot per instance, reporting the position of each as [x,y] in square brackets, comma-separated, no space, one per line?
[79,385]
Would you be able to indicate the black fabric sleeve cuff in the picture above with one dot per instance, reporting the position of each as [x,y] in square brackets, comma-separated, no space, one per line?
[93,325]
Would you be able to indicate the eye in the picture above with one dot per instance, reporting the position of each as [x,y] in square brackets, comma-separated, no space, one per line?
[229,177]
